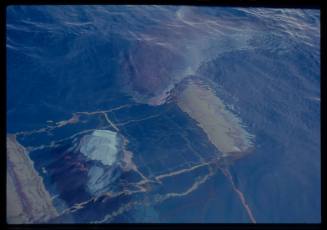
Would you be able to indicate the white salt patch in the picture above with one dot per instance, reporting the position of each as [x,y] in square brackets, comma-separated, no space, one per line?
[101,145]
[237,149]
[95,182]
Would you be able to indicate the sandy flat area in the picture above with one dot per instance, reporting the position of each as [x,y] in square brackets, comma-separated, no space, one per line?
[222,127]
[27,199]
